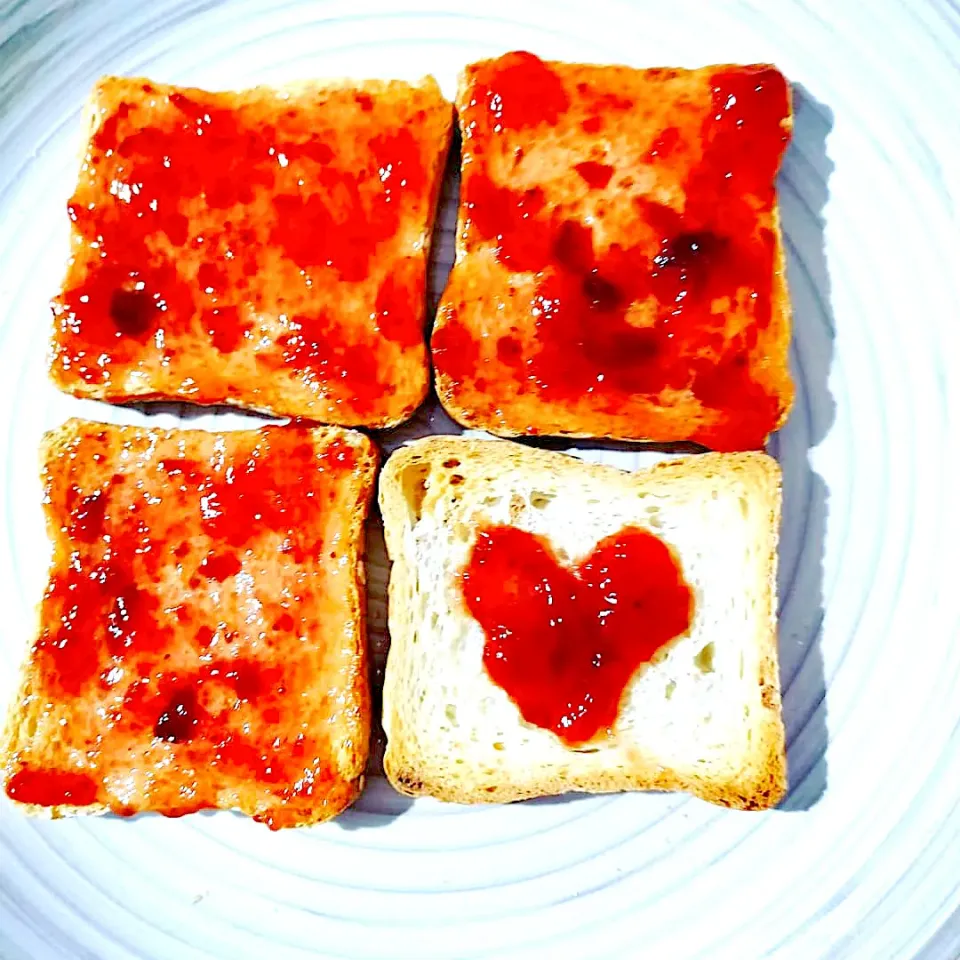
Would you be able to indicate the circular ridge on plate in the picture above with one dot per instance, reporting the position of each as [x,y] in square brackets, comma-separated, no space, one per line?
[870,668]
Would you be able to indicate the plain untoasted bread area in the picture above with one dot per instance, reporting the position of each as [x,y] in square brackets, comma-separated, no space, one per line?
[274,261]
[201,643]
[615,160]
[703,719]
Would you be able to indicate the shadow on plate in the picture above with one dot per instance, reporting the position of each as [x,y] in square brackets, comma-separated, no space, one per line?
[803,189]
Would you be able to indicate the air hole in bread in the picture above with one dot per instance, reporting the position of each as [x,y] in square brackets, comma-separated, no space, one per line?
[671,686]
[587,750]
[498,745]
[490,501]
[745,506]
[456,480]
[451,712]
[704,659]
[539,500]
[32,725]
[451,464]
[490,789]
[415,488]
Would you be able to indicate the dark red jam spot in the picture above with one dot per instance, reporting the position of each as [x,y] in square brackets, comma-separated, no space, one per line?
[133,312]
[509,351]
[179,720]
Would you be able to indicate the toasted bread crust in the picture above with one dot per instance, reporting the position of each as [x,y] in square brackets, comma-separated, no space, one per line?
[30,741]
[258,311]
[498,319]
[415,483]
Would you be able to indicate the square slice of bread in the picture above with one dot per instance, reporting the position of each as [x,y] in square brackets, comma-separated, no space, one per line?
[264,248]
[620,270]
[201,640]
[702,715]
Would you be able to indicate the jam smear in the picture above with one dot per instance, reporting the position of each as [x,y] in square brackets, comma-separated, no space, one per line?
[564,642]
[595,175]
[649,312]
[200,218]
[87,518]
[397,307]
[221,566]
[52,788]
[209,680]
[524,92]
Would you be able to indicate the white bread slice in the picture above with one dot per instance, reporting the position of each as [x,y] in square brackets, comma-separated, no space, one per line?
[703,717]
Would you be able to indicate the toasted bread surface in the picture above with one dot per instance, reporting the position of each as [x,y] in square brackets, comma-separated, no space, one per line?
[201,640]
[619,269]
[264,248]
[703,716]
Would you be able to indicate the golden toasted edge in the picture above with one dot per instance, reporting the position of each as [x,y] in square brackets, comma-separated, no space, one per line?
[779,294]
[110,84]
[54,444]
[760,784]
[109,87]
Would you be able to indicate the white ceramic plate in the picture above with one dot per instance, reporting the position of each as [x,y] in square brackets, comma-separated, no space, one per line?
[863,858]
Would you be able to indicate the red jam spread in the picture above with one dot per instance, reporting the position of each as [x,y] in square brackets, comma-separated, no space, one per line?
[253,249]
[564,642]
[647,251]
[198,642]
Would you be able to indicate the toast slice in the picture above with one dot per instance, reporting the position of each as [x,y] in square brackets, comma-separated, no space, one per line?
[265,248]
[201,640]
[559,626]
[620,269]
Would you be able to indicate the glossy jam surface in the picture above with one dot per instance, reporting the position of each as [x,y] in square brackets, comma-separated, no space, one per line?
[646,252]
[251,241]
[196,627]
[564,642]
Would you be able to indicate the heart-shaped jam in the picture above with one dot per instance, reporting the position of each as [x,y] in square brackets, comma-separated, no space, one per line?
[564,642]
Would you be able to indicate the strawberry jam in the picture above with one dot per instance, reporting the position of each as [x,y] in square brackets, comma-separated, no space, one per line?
[189,570]
[211,231]
[564,642]
[655,289]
